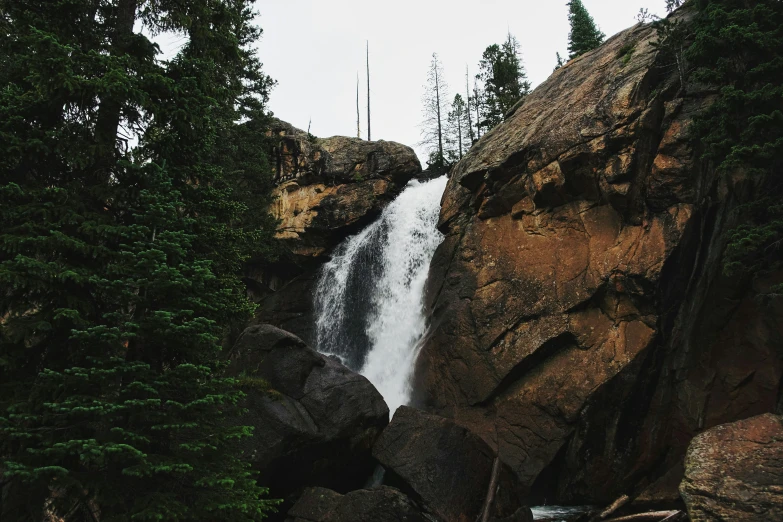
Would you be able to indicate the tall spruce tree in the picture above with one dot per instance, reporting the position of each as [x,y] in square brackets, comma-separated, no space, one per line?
[435,110]
[738,49]
[585,35]
[118,266]
[457,136]
[504,81]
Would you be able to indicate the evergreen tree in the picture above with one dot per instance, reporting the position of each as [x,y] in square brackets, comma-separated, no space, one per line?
[435,110]
[477,100]
[468,108]
[119,267]
[584,35]
[560,61]
[457,135]
[738,49]
[504,80]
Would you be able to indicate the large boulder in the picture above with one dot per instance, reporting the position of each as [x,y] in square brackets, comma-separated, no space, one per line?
[444,465]
[326,189]
[379,504]
[314,420]
[735,472]
[581,323]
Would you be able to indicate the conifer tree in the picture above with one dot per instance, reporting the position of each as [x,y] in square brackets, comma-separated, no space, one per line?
[504,80]
[468,108]
[435,111]
[457,135]
[585,35]
[738,49]
[119,266]
[477,100]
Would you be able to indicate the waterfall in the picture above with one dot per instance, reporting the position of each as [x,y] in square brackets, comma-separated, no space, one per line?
[369,299]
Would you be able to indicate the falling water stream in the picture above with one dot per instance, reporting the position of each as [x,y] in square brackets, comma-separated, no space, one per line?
[369,300]
[369,297]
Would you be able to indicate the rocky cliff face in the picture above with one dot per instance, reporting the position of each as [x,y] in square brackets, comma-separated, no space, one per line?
[581,324]
[326,189]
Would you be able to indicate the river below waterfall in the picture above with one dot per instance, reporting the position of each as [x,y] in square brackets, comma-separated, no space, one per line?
[369,299]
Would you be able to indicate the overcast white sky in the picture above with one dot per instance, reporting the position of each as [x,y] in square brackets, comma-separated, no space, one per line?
[314,49]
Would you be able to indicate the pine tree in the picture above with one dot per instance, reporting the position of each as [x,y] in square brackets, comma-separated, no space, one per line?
[504,80]
[560,61]
[468,108]
[457,135]
[477,100]
[119,267]
[584,35]
[435,101]
[738,49]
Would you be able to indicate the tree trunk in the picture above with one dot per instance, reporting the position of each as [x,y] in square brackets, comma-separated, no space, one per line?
[369,137]
[358,116]
[459,133]
[493,486]
[467,105]
[478,114]
[437,103]
[110,110]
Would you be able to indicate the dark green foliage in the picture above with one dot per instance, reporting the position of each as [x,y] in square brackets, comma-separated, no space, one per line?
[118,267]
[738,48]
[504,81]
[626,53]
[585,35]
[457,130]
[560,61]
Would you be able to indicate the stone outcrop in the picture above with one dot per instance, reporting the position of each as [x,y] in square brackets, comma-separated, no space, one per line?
[329,187]
[314,420]
[326,189]
[444,466]
[379,504]
[735,472]
[580,320]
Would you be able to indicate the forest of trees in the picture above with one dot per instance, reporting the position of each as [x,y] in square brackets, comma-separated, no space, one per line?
[133,188]
[451,125]
[130,195]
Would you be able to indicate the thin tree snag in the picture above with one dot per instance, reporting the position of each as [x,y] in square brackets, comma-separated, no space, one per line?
[493,486]
[369,136]
[358,117]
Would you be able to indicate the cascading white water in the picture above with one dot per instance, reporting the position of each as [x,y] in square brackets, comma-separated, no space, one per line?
[369,297]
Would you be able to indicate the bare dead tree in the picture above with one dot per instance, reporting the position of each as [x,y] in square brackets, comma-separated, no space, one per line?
[369,137]
[358,117]
[434,112]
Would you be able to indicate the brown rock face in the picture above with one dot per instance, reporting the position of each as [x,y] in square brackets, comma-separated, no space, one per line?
[735,472]
[327,189]
[381,504]
[444,465]
[581,324]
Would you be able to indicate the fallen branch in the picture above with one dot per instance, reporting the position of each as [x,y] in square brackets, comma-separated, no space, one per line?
[614,506]
[493,486]
[652,516]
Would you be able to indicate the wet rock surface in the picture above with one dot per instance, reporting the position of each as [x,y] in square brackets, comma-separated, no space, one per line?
[314,419]
[581,324]
[444,466]
[380,504]
[735,472]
